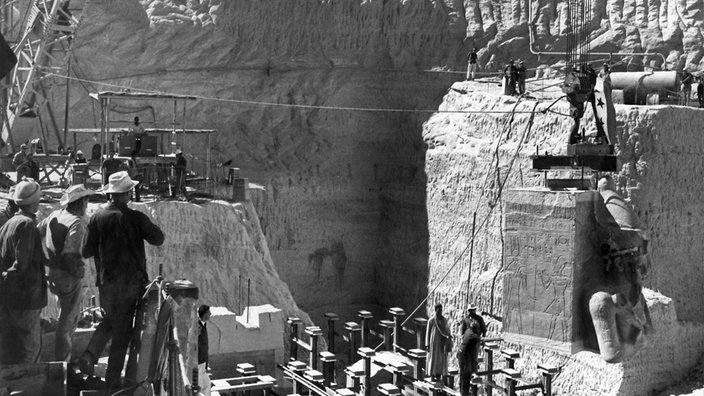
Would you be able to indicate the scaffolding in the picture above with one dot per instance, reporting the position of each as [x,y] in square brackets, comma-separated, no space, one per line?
[40,33]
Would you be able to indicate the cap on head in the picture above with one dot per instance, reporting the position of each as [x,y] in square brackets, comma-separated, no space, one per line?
[179,151]
[79,152]
[74,193]
[472,307]
[119,182]
[27,192]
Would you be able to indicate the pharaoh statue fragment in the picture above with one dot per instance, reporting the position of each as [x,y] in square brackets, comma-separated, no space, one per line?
[618,308]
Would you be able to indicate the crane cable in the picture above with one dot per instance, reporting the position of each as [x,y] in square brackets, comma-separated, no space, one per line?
[291,105]
[491,208]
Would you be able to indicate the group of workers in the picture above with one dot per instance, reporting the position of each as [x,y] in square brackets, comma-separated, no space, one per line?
[438,341]
[515,78]
[36,255]
[686,80]
[114,236]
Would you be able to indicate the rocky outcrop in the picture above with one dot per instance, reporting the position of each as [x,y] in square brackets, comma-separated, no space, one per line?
[475,155]
[346,211]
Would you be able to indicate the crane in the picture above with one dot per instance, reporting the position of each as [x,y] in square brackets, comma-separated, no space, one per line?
[582,85]
[40,33]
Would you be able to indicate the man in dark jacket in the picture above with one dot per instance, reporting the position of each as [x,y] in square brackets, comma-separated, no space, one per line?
[22,279]
[203,379]
[180,173]
[521,77]
[471,64]
[116,236]
[473,328]
[510,78]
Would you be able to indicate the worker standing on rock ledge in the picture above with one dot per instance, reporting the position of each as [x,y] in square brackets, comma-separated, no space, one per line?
[471,64]
[116,236]
[521,77]
[687,80]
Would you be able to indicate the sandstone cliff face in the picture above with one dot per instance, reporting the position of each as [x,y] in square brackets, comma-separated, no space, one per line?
[346,199]
[473,157]
[345,211]
[218,246]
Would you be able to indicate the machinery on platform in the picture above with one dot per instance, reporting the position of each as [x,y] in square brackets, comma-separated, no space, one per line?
[582,85]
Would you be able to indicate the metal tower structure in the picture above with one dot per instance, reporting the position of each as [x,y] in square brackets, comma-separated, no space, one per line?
[40,34]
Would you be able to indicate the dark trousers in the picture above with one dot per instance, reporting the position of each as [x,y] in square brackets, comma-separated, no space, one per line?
[468,362]
[119,302]
[20,335]
[180,187]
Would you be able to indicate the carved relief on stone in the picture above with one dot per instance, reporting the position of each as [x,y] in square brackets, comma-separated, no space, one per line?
[618,309]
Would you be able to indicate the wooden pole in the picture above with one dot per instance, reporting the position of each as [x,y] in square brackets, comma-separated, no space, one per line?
[249,281]
[471,254]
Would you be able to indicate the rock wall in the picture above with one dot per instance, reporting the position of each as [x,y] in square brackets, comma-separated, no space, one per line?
[474,157]
[345,211]
[218,246]
[233,55]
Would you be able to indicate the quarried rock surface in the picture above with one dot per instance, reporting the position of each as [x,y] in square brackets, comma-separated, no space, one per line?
[473,157]
[219,247]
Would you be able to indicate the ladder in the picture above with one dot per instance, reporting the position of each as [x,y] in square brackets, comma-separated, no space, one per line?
[40,33]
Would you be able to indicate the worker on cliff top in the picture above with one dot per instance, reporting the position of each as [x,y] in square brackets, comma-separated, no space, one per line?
[23,282]
[473,328]
[438,341]
[116,236]
[471,64]
[510,78]
[63,232]
[521,77]
[687,80]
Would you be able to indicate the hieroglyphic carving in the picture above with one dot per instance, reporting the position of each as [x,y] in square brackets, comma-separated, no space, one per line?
[539,257]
